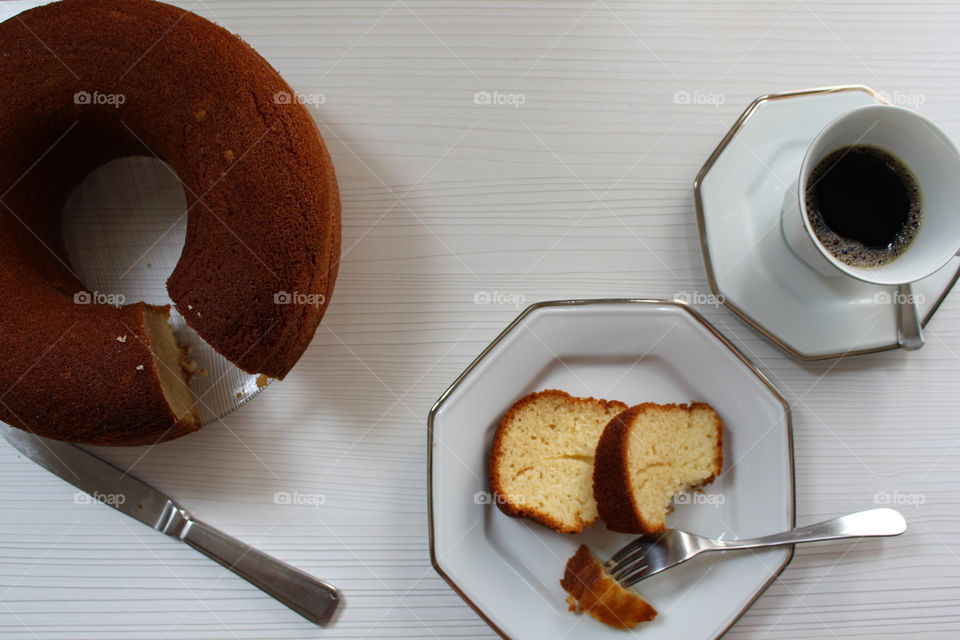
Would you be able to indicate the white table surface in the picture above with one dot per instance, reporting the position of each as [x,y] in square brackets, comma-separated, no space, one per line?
[583,190]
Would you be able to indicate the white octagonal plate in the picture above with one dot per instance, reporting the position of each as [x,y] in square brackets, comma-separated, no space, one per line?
[509,569]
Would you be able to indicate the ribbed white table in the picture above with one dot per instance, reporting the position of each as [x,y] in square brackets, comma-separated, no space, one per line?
[574,181]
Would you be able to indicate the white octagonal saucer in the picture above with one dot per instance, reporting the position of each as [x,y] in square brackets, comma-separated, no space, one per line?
[738,195]
[509,569]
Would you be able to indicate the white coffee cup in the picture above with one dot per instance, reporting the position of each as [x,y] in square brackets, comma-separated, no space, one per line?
[931,157]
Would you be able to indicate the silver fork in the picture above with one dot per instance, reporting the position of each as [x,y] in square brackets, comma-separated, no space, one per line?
[654,552]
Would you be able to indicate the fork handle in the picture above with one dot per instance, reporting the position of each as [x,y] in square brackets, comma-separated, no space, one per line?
[863,524]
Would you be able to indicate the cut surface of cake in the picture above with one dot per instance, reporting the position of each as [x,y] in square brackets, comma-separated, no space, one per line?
[541,461]
[173,369]
[649,453]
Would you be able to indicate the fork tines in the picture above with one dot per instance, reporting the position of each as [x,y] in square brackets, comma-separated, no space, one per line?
[624,563]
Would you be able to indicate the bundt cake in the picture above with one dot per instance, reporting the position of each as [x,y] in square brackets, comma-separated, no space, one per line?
[541,461]
[594,591]
[88,81]
[647,454]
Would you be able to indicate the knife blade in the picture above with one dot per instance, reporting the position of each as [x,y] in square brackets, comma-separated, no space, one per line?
[312,598]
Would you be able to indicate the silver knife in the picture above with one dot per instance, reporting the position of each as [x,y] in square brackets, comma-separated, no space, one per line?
[314,599]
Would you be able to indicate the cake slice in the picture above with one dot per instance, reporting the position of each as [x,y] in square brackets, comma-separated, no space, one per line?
[594,591]
[646,455]
[541,461]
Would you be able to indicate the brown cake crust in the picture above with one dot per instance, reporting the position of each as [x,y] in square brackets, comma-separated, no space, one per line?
[594,591]
[64,398]
[263,217]
[611,478]
[501,497]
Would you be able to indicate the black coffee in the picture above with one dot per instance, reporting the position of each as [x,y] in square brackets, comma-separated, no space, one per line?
[864,205]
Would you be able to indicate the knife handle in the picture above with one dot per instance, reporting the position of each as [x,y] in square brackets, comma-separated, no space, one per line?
[314,599]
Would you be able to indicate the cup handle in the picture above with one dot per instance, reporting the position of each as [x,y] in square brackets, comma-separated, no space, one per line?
[909,329]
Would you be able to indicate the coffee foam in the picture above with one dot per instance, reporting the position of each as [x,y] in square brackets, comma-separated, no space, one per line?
[855,253]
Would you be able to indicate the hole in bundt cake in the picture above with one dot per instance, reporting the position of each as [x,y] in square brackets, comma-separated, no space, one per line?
[123,231]
[124,228]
